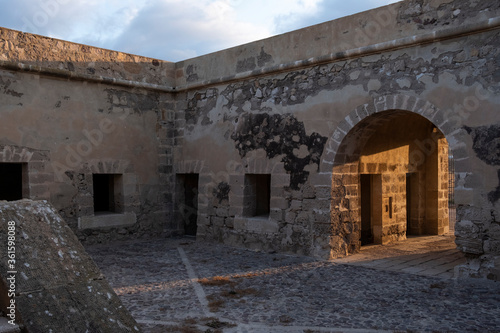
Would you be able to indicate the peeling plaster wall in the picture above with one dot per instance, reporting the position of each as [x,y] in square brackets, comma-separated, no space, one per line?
[262,108]
[299,107]
[367,31]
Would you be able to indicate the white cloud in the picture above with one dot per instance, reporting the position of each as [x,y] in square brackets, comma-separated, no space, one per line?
[187,27]
[81,21]
[179,28]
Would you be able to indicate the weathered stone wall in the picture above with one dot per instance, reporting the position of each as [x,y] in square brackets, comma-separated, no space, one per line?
[70,111]
[301,108]
[297,106]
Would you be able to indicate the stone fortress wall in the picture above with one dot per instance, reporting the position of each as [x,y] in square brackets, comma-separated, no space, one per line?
[312,142]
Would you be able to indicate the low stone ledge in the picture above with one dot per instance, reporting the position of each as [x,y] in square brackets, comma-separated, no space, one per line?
[258,224]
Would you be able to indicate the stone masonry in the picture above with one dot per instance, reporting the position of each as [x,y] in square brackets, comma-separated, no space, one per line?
[312,142]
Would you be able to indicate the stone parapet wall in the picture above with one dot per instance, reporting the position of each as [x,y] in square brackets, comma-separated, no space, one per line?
[397,25]
[23,51]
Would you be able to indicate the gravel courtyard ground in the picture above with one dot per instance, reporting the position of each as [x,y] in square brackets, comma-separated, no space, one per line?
[180,285]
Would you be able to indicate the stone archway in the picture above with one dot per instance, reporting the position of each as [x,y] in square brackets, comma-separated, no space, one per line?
[352,152]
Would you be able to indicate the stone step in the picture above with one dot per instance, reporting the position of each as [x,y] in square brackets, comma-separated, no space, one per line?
[5,327]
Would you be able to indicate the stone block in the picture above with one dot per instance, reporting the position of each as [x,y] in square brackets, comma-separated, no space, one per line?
[316,204]
[361,112]
[467,229]
[296,195]
[323,192]
[222,211]
[237,189]
[278,203]
[39,192]
[290,217]
[86,211]
[494,231]
[37,156]
[330,150]
[344,127]
[41,178]
[280,180]
[229,222]
[269,226]
[235,210]
[91,309]
[235,199]
[129,189]
[296,205]
[240,223]
[352,190]
[203,219]
[380,103]
[303,218]
[202,231]
[338,135]
[62,290]
[129,179]
[85,200]
[464,196]
[255,224]
[217,221]
[322,228]
[349,179]
[321,216]
[278,192]
[206,208]
[276,214]
[320,179]
[206,179]
[309,191]
[471,246]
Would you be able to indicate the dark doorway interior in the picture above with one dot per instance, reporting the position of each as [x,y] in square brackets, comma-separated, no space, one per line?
[371,208]
[103,192]
[257,195]
[412,201]
[189,204]
[366,210]
[262,194]
[11,181]
[408,204]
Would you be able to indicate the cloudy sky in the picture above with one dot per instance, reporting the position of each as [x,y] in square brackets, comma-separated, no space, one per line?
[171,30]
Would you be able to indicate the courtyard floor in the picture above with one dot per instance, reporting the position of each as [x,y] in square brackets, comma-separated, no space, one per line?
[180,285]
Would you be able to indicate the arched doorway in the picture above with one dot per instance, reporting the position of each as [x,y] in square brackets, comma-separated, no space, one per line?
[389,180]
